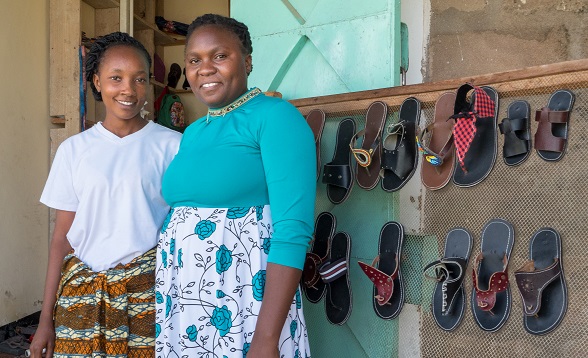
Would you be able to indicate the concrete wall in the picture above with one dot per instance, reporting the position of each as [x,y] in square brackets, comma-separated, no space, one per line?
[479,36]
[24,156]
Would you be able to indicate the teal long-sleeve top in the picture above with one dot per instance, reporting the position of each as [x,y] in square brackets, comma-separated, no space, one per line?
[261,153]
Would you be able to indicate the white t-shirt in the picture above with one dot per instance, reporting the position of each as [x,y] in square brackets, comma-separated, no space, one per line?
[114,186]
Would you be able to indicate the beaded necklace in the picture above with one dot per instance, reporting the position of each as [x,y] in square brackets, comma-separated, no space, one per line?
[238,103]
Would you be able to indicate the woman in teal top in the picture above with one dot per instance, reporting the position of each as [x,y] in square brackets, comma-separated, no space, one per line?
[242,191]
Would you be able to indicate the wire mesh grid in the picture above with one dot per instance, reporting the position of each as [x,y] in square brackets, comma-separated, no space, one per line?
[530,196]
[533,195]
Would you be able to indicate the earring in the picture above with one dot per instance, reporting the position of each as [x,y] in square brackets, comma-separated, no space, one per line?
[144,113]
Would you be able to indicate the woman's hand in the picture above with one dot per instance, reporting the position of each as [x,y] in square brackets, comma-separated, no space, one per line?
[44,338]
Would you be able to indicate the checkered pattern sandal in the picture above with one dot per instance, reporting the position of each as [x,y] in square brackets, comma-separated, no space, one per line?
[475,133]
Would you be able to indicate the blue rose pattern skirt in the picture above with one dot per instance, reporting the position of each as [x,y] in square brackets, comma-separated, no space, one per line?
[210,281]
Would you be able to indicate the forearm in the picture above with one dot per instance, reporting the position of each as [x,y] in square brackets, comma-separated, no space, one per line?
[280,287]
[58,249]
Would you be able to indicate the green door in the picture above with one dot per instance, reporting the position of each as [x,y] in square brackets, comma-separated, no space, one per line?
[307,48]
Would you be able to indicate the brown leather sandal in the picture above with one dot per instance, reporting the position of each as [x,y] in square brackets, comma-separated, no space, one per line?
[551,138]
[369,156]
[542,284]
[437,147]
[316,121]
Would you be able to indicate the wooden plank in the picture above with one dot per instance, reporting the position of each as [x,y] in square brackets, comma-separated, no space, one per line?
[64,76]
[161,38]
[107,21]
[125,18]
[354,100]
[102,4]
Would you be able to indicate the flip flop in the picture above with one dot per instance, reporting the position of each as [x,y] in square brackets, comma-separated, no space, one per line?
[316,121]
[338,174]
[369,156]
[542,284]
[399,153]
[385,272]
[449,299]
[475,111]
[312,285]
[551,138]
[335,274]
[517,133]
[491,297]
[437,148]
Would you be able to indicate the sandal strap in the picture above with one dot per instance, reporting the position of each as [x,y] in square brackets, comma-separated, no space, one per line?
[513,145]
[337,174]
[310,273]
[435,159]
[544,138]
[498,282]
[399,157]
[384,283]
[531,284]
[363,156]
[451,280]
[332,270]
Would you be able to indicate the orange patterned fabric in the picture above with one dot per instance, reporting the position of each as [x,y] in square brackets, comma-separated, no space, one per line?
[108,313]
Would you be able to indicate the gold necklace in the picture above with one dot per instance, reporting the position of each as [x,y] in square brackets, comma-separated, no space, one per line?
[238,103]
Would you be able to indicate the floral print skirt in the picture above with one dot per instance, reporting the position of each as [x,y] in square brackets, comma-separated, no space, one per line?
[210,279]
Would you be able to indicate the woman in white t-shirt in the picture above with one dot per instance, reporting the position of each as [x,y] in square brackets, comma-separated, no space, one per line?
[105,184]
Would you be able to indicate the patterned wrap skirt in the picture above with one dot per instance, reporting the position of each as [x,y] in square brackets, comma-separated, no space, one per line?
[109,313]
[210,280]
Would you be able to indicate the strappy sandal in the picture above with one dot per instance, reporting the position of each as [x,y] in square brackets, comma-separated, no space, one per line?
[399,153]
[542,284]
[449,299]
[491,297]
[369,155]
[435,143]
[385,272]
[335,274]
[312,285]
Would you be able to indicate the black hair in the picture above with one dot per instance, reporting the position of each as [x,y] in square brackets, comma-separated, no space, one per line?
[234,26]
[99,47]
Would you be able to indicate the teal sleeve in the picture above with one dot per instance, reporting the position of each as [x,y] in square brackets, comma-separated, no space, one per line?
[289,159]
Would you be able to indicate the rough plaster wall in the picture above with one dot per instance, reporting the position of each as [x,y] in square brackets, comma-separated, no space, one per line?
[481,36]
[24,156]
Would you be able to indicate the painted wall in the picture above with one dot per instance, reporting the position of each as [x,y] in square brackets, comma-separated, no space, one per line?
[178,10]
[24,156]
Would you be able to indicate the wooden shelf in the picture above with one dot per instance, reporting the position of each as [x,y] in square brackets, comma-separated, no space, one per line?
[102,4]
[161,38]
[173,90]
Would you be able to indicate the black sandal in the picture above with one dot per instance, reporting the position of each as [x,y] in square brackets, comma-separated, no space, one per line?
[449,299]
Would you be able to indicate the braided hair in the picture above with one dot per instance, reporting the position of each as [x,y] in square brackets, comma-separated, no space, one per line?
[98,49]
[234,26]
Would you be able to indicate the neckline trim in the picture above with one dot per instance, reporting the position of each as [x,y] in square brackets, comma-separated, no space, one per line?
[252,93]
